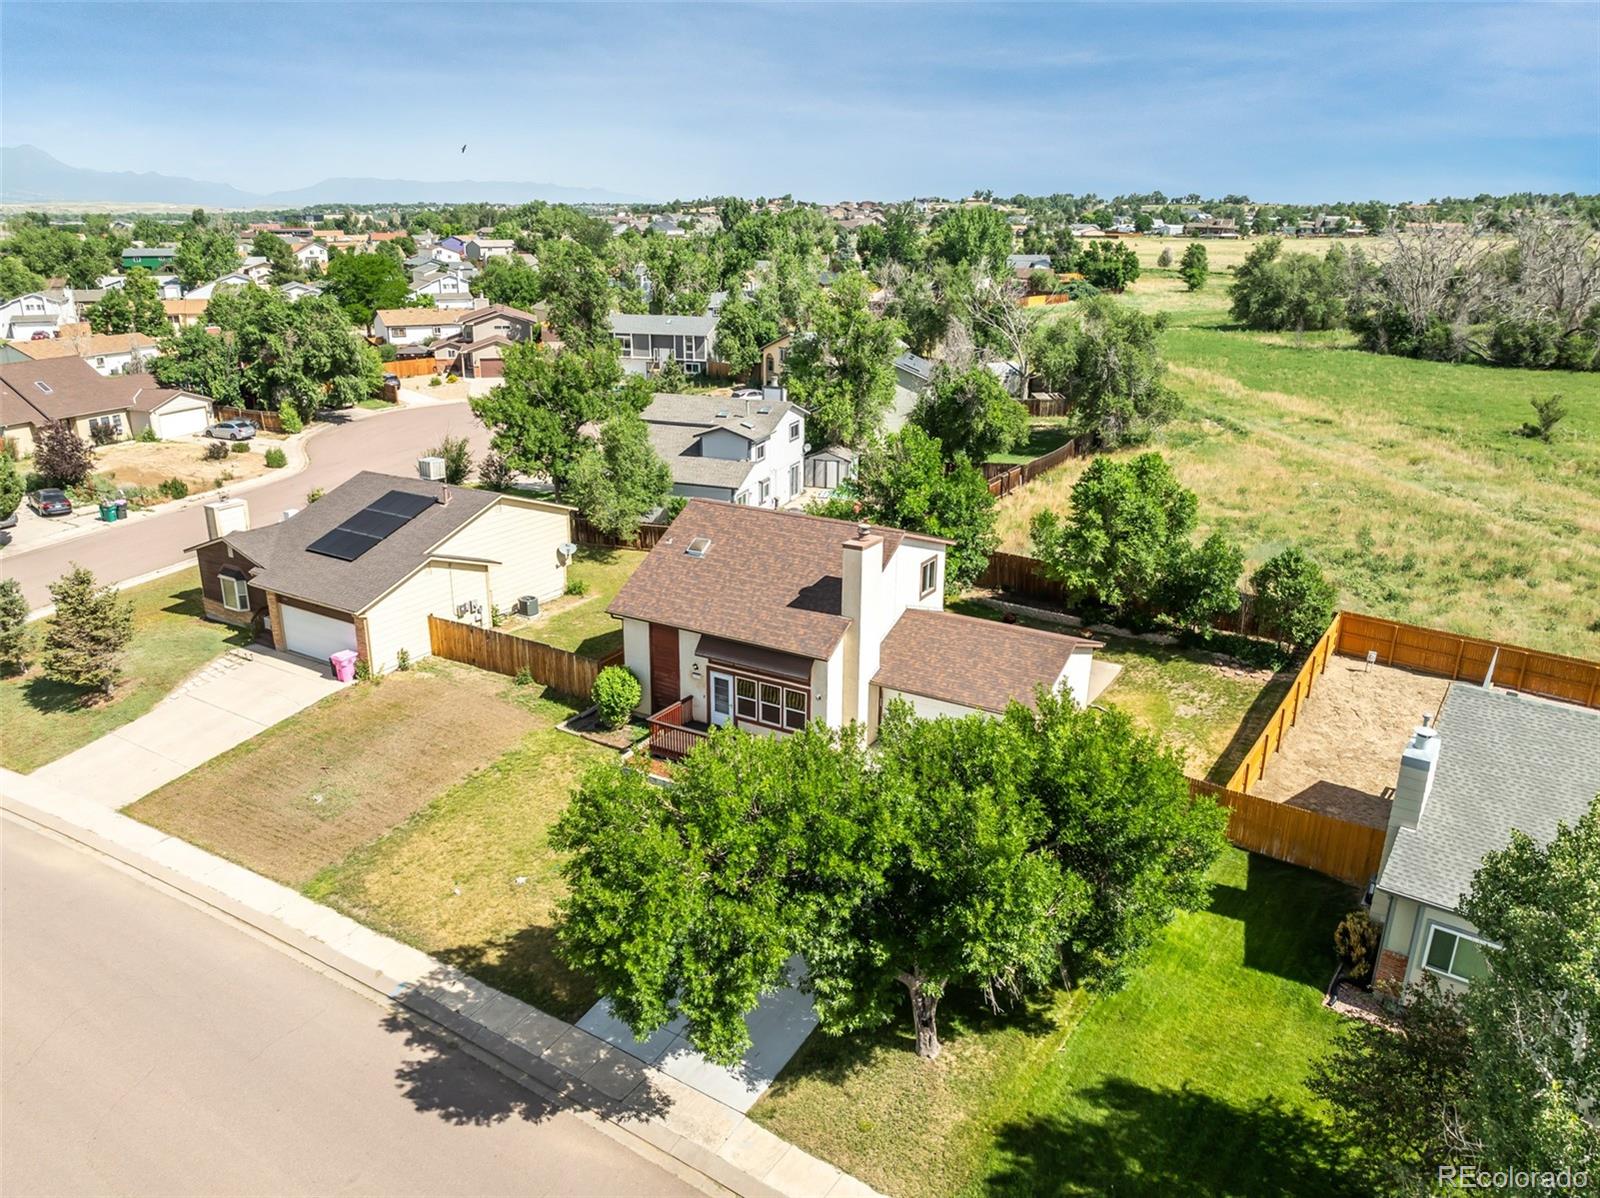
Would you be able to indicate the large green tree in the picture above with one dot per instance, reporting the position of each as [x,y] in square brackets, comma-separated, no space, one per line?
[365,283]
[575,285]
[1106,359]
[204,253]
[907,482]
[620,481]
[1274,290]
[537,410]
[971,413]
[135,307]
[12,483]
[14,638]
[1194,270]
[842,371]
[509,281]
[972,235]
[285,266]
[87,634]
[744,326]
[17,279]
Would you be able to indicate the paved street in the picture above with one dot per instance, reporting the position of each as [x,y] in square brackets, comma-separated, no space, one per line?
[391,441]
[149,1048]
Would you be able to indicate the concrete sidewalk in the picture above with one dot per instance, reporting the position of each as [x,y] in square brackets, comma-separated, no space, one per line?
[241,693]
[546,1054]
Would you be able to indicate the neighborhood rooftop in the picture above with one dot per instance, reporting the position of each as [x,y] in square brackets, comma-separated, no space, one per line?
[695,326]
[1506,761]
[972,662]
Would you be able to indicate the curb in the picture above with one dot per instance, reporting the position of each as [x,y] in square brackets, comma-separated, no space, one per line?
[546,1055]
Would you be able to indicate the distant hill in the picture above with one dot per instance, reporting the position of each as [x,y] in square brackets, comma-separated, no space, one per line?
[28,175]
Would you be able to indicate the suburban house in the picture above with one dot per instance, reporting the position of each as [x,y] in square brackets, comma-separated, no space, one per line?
[648,341]
[449,288]
[1495,761]
[33,394]
[767,620]
[311,255]
[295,290]
[181,313]
[1221,226]
[257,269]
[413,326]
[167,286]
[1023,265]
[37,314]
[152,257]
[366,565]
[477,351]
[774,361]
[481,249]
[234,278]
[108,353]
[749,451]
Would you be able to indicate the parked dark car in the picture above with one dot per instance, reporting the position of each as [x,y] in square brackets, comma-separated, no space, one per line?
[232,430]
[50,502]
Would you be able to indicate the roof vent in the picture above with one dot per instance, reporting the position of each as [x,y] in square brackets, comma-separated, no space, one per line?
[863,530]
[699,547]
[745,424]
[765,410]
[722,413]
[44,386]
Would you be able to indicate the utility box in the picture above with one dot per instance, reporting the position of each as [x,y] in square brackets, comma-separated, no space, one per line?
[226,515]
[431,469]
[528,605]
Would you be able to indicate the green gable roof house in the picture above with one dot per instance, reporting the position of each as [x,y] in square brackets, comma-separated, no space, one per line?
[151,257]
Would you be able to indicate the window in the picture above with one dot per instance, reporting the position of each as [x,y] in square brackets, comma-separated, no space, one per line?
[766,490]
[794,709]
[770,712]
[742,497]
[1455,954]
[235,593]
[794,431]
[745,698]
[794,479]
[761,452]
[930,576]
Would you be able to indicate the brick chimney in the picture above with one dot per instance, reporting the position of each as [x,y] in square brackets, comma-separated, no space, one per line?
[862,604]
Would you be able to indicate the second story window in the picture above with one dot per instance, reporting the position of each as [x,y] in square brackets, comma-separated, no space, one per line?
[930,576]
[761,452]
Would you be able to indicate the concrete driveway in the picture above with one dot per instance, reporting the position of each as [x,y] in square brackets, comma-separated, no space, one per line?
[225,704]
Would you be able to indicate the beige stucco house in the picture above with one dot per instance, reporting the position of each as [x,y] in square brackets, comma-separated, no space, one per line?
[33,394]
[366,565]
[769,619]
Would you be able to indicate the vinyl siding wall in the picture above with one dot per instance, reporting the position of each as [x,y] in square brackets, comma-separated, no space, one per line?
[523,537]
[400,619]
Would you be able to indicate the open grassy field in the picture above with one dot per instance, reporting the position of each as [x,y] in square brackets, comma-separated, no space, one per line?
[1188,1081]
[1405,479]
[579,623]
[41,720]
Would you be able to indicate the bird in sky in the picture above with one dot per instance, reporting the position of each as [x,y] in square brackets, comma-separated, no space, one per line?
[463,149]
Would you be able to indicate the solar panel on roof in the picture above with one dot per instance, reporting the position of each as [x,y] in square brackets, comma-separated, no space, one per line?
[342,544]
[401,503]
[373,523]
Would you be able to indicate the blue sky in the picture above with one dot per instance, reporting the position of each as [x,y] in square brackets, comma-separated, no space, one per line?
[1298,102]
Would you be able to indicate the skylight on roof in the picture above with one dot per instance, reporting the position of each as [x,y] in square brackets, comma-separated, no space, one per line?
[44,386]
[698,547]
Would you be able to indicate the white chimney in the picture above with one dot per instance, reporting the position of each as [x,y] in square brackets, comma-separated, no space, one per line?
[862,604]
[226,515]
[1418,764]
[286,513]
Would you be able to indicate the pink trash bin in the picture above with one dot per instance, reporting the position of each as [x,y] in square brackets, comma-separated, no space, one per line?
[344,664]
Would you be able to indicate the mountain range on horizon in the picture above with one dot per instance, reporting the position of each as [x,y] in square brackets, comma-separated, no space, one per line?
[29,175]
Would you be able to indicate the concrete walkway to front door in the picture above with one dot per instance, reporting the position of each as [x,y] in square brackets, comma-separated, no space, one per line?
[240,694]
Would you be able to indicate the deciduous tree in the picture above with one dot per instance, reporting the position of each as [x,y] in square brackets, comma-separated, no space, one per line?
[843,371]
[1106,359]
[364,283]
[1194,270]
[620,481]
[1293,601]
[60,456]
[971,413]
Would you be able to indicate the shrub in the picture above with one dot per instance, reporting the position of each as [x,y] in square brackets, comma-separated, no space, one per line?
[276,458]
[402,660]
[495,472]
[616,693]
[216,451]
[314,494]
[1294,602]
[13,628]
[174,488]
[523,678]
[364,671]
[452,377]
[61,457]
[1548,412]
[12,486]
[1356,938]
[435,381]
[1165,258]
[240,447]
[457,455]
[577,586]
[147,434]
[102,434]
[496,616]
[291,420]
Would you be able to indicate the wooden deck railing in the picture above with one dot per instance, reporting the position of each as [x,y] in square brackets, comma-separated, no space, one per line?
[670,734]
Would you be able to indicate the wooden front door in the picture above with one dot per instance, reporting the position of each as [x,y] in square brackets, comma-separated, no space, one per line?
[663,666]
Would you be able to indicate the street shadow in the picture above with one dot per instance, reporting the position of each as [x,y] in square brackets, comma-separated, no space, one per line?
[440,1079]
[1160,1141]
[1289,915]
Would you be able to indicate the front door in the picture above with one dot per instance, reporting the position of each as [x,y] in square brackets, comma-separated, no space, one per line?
[721,698]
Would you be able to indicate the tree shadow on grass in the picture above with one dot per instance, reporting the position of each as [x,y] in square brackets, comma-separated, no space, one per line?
[1162,1141]
[525,965]
[1289,915]
[1255,719]
[53,698]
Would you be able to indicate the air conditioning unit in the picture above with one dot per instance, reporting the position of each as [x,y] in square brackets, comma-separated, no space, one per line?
[431,469]
[528,605]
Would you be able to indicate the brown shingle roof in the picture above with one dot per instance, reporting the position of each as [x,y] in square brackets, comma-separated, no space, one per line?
[84,347]
[973,662]
[400,318]
[769,578]
[62,389]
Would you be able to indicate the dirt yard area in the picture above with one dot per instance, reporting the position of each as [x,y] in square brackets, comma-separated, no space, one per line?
[150,463]
[1342,756]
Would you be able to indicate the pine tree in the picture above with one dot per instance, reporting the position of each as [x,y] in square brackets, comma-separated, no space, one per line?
[88,634]
[13,627]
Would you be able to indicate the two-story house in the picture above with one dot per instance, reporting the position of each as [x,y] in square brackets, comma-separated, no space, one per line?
[649,341]
[413,326]
[768,620]
[449,288]
[39,313]
[746,451]
[478,350]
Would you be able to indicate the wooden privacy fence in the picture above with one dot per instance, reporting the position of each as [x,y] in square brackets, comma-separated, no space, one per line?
[510,655]
[407,368]
[585,533]
[1047,405]
[270,422]
[1431,651]
[1336,847]
[1005,479]
[1288,712]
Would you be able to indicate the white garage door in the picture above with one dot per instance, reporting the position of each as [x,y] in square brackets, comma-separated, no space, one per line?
[313,635]
[181,423]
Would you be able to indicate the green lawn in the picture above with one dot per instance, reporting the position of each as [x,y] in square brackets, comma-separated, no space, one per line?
[1188,1081]
[1405,479]
[579,623]
[44,720]
[1207,713]
[1043,436]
